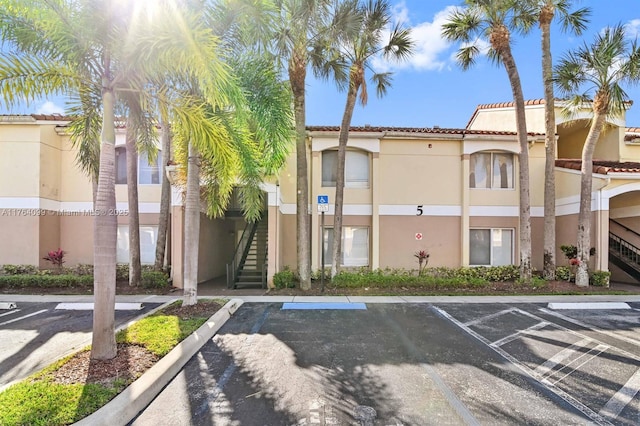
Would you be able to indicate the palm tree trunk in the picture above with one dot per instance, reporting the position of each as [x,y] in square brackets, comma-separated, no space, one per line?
[297,74]
[103,344]
[523,177]
[549,251]
[165,199]
[191,229]
[586,181]
[336,256]
[135,269]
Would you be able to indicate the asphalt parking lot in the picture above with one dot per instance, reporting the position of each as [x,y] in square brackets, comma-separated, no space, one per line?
[411,364]
[33,335]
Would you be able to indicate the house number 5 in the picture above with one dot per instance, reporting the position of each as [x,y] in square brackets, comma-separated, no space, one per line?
[419,213]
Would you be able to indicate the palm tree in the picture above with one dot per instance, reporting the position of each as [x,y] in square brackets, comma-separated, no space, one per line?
[135,267]
[600,71]
[249,140]
[492,19]
[165,197]
[359,44]
[302,25]
[543,12]
[140,136]
[87,46]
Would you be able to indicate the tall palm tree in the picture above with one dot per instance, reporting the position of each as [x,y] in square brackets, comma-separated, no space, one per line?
[301,25]
[80,46]
[250,140]
[140,137]
[543,13]
[599,70]
[165,196]
[359,44]
[493,19]
[250,134]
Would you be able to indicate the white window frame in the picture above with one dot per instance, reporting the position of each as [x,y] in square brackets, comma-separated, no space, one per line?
[491,175]
[347,183]
[147,257]
[123,149]
[491,246]
[325,245]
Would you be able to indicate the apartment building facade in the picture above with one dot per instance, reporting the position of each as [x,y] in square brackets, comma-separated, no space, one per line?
[452,192]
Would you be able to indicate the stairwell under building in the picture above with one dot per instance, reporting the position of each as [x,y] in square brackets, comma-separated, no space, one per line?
[624,254]
[248,267]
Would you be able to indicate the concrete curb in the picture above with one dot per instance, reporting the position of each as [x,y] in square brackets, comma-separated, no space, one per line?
[130,402]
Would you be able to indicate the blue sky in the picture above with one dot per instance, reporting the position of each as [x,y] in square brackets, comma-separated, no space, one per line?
[430,89]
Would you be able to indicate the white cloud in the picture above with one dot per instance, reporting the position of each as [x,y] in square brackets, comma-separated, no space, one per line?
[429,43]
[633,28]
[50,108]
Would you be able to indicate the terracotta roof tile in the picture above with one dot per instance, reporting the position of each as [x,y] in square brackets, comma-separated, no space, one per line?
[510,105]
[429,130]
[600,166]
[631,133]
[502,105]
[51,117]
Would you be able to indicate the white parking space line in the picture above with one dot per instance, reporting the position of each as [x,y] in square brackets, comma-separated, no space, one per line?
[596,417]
[589,327]
[490,316]
[518,334]
[622,398]
[564,354]
[89,306]
[599,349]
[23,317]
[10,312]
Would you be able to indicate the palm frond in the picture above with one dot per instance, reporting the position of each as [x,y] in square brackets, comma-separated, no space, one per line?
[462,25]
[383,82]
[30,77]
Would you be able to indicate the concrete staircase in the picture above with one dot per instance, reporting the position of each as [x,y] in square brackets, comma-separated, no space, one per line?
[251,269]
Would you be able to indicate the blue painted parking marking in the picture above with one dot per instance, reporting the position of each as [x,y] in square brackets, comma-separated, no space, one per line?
[323,305]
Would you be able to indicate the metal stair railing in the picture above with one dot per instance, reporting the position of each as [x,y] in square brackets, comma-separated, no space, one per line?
[624,250]
[626,228]
[240,253]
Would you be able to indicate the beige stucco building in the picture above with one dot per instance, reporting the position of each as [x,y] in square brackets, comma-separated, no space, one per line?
[452,192]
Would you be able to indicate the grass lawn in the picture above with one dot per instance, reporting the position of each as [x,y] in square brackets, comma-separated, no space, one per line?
[76,386]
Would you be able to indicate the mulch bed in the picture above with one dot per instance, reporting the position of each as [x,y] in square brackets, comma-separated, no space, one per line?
[131,360]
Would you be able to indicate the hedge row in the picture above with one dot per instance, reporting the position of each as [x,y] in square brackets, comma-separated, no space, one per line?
[150,279]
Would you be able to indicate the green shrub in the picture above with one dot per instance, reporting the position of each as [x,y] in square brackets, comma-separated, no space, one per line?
[45,281]
[285,278]
[81,269]
[154,279]
[19,269]
[122,272]
[435,278]
[600,278]
[317,274]
[563,273]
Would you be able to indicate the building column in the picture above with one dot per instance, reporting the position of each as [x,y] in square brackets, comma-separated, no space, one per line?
[602,233]
[375,211]
[316,238]
[272,231]
[464,218]
[177,245]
